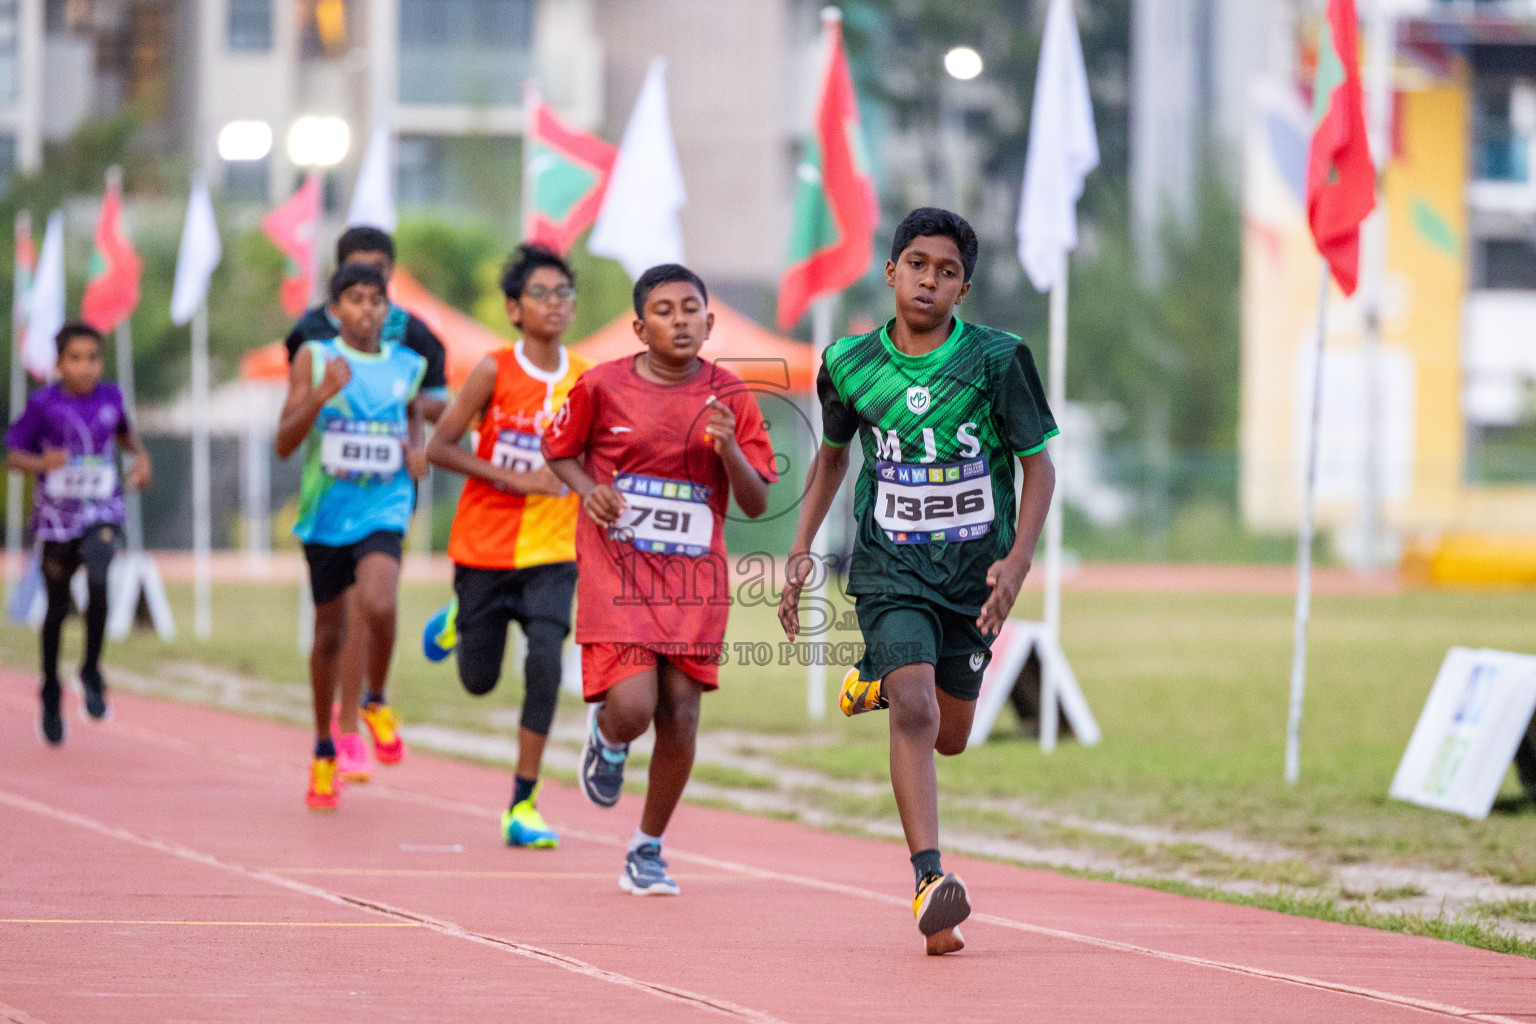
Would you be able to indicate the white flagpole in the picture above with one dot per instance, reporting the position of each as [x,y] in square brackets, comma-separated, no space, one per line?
[15,483]
[1057,397]
[1304,543]
[822,312]
[202,514]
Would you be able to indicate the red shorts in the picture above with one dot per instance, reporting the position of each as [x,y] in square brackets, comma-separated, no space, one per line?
[603,665]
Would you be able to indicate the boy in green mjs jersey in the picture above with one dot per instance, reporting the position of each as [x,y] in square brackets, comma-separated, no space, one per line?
[943,409]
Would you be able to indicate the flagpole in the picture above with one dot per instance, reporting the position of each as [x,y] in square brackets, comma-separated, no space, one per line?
[1057,397]
[1304,543]
[15,482]
[202,518]
[823,310]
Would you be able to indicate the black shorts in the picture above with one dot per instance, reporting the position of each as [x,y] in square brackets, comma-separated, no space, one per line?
[94,549]
[334,569]
[491,598]
[902,631]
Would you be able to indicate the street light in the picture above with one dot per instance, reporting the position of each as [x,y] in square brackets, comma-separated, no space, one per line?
[245,140]
[318,141]
[963,63]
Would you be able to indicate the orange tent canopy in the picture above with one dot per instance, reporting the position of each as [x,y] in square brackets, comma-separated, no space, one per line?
[465,338]
[751,352]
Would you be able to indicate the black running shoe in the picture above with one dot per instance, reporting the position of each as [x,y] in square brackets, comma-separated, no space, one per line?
[602,770]
[53,722]
[95,693]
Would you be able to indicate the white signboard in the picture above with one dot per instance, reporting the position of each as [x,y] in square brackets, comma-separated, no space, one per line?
[1468,733]
[1010,653]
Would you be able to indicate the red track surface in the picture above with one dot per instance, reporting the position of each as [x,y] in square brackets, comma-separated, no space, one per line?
[162,867]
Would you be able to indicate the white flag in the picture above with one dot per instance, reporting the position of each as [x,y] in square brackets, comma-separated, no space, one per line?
[638,222]
[45,306]
[373,203]
[1063,150]
[200,254]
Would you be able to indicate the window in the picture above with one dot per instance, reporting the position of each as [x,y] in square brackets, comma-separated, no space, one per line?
[250,25]
[7,162]
[245,181]
[1505,263]
[474,52]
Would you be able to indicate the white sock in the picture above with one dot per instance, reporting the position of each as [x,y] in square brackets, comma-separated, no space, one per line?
[640,839]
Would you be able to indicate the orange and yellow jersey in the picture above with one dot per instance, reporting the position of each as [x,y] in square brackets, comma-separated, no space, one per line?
[498,529]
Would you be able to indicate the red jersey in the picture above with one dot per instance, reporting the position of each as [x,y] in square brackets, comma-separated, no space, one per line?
[661,574]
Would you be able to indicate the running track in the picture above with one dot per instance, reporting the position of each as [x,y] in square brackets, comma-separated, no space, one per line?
[143,879]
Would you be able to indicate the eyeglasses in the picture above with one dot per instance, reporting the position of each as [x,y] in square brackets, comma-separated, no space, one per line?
[542,293]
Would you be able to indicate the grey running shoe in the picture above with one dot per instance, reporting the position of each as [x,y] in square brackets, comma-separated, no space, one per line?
[602,770]
[645,873]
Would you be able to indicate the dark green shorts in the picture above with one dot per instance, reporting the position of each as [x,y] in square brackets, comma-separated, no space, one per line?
[910,631]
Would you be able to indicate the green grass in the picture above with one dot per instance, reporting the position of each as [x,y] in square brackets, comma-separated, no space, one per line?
[1190,691]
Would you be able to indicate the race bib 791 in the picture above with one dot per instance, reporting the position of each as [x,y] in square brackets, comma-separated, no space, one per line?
[669,517]
[361,450]
[923,504]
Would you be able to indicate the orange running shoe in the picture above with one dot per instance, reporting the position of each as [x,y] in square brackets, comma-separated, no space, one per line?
[861,695]
[324,784]
[388,747]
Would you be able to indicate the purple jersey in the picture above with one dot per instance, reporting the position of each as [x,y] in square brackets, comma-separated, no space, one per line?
[87,490]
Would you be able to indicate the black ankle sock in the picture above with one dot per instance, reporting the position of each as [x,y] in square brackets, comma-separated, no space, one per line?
[522,789]
[370,699]
[325,747]
[925,864]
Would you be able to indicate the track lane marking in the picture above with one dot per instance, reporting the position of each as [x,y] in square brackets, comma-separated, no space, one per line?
[721,1007]
[411,796]
[213,924]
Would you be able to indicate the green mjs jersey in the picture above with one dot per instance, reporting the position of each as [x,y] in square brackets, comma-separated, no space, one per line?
[935,498]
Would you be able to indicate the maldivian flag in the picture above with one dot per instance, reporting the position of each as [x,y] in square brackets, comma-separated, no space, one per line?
[836,208]
[112,294]
[292,227]
[564,175]
[1341,179]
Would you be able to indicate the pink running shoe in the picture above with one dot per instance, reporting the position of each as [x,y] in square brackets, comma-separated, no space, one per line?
[352,762]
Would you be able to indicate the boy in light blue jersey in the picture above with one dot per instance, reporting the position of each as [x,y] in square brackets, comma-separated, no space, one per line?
[356,403]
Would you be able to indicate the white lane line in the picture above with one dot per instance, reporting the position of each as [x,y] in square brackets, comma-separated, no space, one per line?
[1392,998]
[11,1015]
[721,1007]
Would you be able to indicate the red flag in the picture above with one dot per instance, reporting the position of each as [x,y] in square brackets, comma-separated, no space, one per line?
[564,176]
[112,294]
[836,208]
[1341,179]
[292,228]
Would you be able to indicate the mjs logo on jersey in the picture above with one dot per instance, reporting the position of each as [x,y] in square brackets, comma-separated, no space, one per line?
[918,399]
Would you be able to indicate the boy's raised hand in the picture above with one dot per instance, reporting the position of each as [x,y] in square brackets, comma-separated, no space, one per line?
[338,374]
[1005,578]
[54,458]
[604,505]
[721,427]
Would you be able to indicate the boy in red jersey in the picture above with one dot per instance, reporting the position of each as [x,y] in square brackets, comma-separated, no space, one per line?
[667,438]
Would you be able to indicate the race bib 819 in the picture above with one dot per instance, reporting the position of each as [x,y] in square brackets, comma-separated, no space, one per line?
[669,517]
[924,504]
[362,450]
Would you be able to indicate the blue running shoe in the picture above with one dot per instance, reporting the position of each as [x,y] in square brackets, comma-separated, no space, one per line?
[645,873]
[440,636]
[602,770]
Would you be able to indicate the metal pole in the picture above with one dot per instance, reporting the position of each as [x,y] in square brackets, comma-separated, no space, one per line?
[1304,543]
[133,505]
[1383,36]
[1057,396]
[823,310]
[15,483]
[202,513]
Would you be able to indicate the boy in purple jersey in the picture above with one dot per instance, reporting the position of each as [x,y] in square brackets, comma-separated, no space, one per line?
[68,437]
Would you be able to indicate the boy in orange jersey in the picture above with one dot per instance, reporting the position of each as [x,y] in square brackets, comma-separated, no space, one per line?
[513,540]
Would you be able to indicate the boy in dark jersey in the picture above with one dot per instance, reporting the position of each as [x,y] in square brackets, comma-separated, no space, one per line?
[943,409]
[374,248]
[68,436]
[655,445]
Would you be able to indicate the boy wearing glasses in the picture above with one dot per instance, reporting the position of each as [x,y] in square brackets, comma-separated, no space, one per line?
[514,535]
